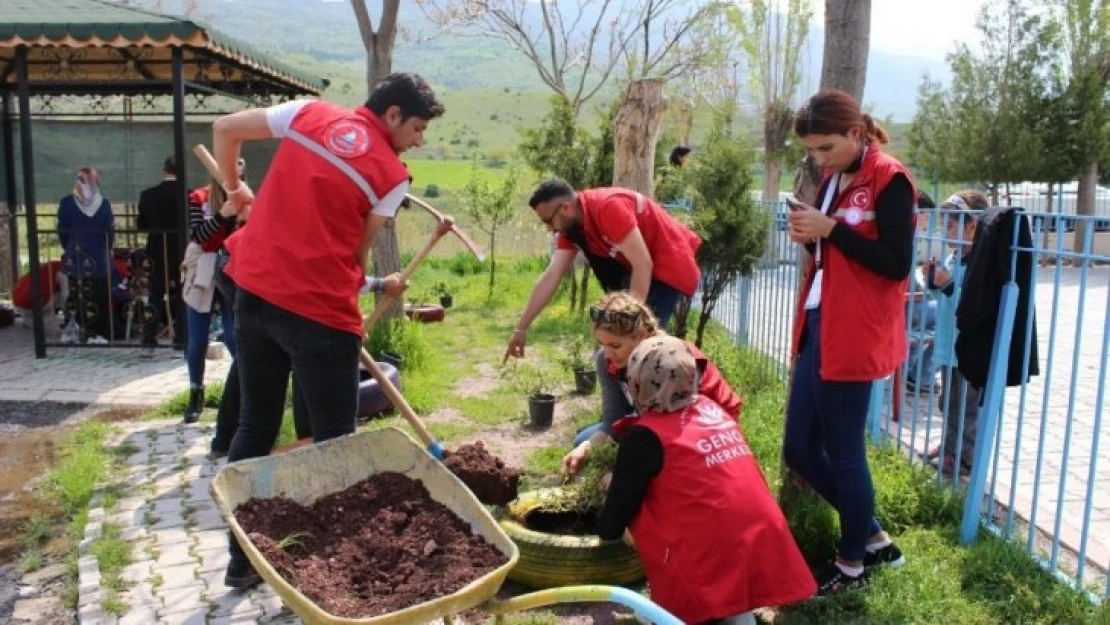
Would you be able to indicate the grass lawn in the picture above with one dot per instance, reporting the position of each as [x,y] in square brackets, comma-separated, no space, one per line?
[455,384]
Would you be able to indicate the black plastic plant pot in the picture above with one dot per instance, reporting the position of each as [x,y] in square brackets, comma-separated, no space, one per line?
[585,380]
[541,410]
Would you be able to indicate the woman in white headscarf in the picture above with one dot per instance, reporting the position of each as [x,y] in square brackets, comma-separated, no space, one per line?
[86,229]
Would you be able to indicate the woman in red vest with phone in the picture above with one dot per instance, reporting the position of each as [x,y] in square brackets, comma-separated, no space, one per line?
[850,326]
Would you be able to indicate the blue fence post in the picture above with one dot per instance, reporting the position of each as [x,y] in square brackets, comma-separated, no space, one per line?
[988,416]
[875,410]
[743,321]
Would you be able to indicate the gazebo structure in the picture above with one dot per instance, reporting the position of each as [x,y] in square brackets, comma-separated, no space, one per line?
[96,49]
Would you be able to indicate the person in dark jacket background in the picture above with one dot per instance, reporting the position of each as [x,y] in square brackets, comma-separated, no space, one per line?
[160,218]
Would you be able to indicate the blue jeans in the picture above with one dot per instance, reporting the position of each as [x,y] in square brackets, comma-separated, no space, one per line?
[825,444]
[196,348]
[662,300]
[272,343]
[922,322]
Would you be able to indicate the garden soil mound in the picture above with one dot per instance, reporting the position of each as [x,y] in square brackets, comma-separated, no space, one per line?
[380,546]
[483,473]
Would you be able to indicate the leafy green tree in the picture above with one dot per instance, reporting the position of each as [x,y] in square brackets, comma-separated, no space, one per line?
[490,206]
[731,223]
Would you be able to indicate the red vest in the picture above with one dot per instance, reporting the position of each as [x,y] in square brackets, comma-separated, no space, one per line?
[609,214]
[309,217]
[712,538]
[863,314]
[711,384]
[22,293]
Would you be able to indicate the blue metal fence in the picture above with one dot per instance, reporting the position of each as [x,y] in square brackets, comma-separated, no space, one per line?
[1035,474]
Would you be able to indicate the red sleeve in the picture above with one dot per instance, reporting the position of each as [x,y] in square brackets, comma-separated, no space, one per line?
[562,243]
[619,213]
[715,387]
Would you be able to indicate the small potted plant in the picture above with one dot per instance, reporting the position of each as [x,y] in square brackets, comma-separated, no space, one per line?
[445,298]
[578,359]
[534,385]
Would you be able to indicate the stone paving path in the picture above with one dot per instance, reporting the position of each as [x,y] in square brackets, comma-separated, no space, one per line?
[178,539]
[94,375]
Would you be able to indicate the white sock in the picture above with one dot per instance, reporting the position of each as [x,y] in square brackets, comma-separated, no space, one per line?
[853,571]
[877,545]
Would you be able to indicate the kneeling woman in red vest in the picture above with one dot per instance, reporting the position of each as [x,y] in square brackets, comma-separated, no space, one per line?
[620,323]
[694,501]
[850,326]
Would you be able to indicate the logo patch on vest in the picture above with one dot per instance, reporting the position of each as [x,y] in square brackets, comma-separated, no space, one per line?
[712,416]
[859,201]
[347,139]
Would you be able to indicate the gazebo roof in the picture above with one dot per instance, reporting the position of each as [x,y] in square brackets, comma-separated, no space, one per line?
[98,47]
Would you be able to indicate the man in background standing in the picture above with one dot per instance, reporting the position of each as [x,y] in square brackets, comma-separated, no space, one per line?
[159,217]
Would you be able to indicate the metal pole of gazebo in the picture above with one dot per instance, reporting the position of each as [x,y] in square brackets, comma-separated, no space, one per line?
[28,157]
[9,183]
[179,159]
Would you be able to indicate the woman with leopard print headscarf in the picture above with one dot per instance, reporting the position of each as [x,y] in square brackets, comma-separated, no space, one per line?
[694,501]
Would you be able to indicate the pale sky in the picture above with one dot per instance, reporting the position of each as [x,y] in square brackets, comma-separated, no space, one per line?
[927,29]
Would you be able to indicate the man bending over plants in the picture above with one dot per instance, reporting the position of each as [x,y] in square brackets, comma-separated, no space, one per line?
[631,244]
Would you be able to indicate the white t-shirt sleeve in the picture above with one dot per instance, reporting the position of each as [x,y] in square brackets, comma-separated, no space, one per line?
[391,203]
[280,117]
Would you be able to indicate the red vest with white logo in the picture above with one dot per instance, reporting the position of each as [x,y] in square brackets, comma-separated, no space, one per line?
[299,251]
[671,244]
[863,314]
[712,538]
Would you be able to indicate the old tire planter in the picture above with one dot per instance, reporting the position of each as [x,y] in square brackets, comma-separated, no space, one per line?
[552,560]
[372,400]
[425,313]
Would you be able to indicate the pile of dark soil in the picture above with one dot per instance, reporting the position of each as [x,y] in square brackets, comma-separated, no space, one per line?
[380,546]
[483,473]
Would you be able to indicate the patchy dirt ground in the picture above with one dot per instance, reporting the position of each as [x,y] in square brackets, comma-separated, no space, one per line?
[29,435]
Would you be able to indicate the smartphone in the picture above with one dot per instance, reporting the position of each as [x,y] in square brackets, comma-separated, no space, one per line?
[931,277]
[793,202]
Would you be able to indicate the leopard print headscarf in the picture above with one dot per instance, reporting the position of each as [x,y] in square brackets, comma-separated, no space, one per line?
[662,375]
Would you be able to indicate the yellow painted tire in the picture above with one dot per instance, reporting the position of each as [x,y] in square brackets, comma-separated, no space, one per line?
[552,560]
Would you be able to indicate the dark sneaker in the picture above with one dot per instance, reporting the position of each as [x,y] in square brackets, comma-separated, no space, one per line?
[241,574]
[196,404]
[833,581]
[890,556]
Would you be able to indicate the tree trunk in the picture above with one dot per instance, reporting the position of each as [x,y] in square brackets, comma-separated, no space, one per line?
[379,61]
[772,176]
[847,43]
[584,288]
[1085,205]
[387,260]
[1048,198]
[843,66]
[635,132]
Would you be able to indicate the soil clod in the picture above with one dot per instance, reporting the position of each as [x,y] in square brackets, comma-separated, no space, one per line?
[483,473]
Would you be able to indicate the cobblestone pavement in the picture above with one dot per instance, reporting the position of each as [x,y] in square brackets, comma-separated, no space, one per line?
[94,375]
[178,539]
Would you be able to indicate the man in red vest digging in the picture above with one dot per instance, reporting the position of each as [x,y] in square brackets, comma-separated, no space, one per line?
[299,262]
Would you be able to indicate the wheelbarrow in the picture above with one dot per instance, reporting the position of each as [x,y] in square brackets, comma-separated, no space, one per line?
[308,473]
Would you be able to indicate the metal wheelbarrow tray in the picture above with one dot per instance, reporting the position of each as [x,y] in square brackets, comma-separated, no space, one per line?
[306,474]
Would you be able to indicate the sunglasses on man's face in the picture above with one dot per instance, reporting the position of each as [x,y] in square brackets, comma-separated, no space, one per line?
[598,315]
